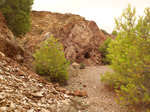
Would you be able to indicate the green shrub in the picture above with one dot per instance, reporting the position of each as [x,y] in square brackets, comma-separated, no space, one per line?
[104,31]
[103,50]
[17,15]
[82,66]
[129,54]
[50,60]
[114,32]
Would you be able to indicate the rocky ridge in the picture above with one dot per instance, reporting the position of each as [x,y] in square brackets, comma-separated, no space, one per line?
[80,38]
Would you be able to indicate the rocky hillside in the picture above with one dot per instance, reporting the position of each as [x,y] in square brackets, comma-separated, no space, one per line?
[7,44]
[22,90]
[80,38]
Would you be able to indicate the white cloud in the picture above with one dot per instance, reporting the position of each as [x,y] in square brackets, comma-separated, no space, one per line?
[102,12]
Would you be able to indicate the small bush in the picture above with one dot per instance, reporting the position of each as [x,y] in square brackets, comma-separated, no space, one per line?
[103,50]
[82,66]
[114,32]
[50,60]
[105,32]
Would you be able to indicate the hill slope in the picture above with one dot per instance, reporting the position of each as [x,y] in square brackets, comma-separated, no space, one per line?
[22,90]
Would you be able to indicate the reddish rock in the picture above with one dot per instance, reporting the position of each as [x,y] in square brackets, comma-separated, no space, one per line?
[7,44]
[84,85]
[62,97]
[80,38]
[60,89]
[38,94]
[84,94]
[80,93]
[77,92]
[55,92]
[71,93]
[67,92]
[25,68]
[56,85]
[21,73]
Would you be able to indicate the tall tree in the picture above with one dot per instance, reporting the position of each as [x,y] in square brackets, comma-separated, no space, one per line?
[129,55]
[17,15]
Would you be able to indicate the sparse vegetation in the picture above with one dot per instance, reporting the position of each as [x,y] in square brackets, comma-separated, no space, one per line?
[103,50]
[129,54]
[17,15]
[71,61]
[82,66]
[114,32]
[104,31]
[50,60]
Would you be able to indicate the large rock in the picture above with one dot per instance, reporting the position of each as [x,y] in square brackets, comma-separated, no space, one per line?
[7,43]
[80,38]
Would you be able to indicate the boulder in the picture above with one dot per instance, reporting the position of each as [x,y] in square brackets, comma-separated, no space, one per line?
[75,65]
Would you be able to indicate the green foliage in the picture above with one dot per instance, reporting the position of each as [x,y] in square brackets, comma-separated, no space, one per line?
[17,15]
[103,50]
[50,60]
[114,32]
[82,66]
[129,54]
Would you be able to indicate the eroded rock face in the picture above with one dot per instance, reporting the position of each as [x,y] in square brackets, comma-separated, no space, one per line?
[80,38]
[7,44]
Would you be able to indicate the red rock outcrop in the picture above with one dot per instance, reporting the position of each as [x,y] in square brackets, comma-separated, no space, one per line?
[7,43]
[80,38]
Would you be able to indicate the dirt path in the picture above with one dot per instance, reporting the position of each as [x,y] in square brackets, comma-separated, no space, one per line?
[99,99]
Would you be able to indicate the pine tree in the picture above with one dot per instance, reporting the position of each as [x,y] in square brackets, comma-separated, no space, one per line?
[103,50]
[129,55]
[17,15]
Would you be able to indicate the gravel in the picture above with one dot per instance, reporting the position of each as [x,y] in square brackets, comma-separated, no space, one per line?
[100,98]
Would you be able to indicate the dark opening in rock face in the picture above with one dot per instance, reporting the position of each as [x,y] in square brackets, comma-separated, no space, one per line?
[87,55]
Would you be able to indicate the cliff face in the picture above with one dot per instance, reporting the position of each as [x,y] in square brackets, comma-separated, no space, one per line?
[79,37]
[7,44]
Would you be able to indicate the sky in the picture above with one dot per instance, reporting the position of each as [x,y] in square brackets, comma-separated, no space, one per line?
[102,12]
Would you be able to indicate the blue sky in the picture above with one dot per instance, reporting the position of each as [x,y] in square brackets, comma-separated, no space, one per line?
[102,12]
